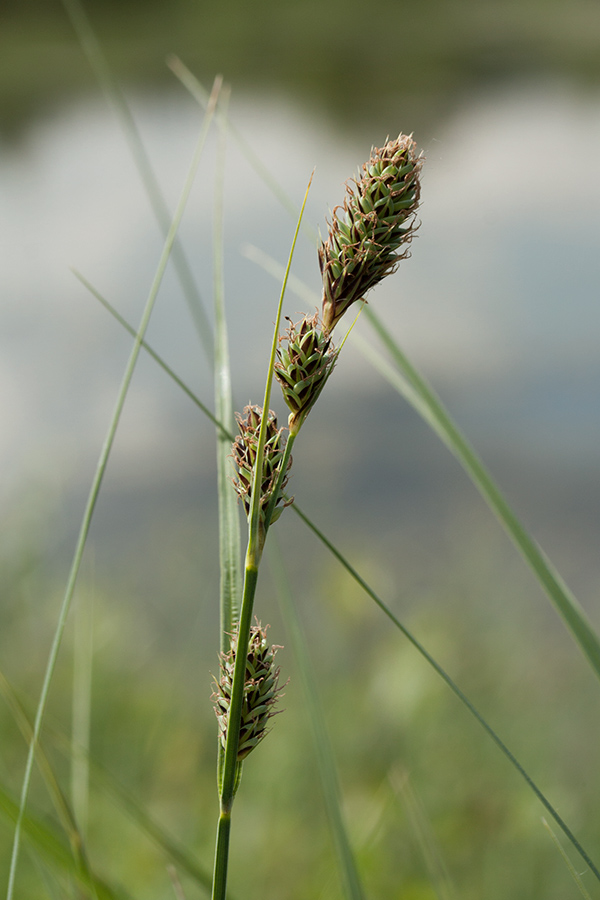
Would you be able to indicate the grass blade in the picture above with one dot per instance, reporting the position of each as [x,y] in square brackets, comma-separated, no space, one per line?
[83,648]
[418,393]
[323,749]
[63,810]
[453,687]
[95,488]
[229,775]
[172,849]
[567,861]
[200,95]
[229,522]
[114,96]
[53,850]
[407,797]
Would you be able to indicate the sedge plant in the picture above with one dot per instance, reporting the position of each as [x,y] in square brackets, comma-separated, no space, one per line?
[367,236]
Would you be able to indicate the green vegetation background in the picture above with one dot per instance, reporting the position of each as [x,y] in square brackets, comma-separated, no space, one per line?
[427,543]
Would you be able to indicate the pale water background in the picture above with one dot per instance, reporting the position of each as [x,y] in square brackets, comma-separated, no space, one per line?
[499,304]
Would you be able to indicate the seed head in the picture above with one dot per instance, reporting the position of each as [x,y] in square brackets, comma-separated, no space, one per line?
[244,454]
[261,689]
[372,230]
[305,360]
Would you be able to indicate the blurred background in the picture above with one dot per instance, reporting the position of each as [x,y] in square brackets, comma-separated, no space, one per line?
[498,307]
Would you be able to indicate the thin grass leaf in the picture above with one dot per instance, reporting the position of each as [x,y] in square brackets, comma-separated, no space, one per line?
[229,522]
[428,405]
[83,648]
[253,519]
[324,753]
[55,852]
[572,871]
[171,848]
[96,484]
[453,687]
[153,354]
[60,802]
[229,777]
[423,833]
[176,852]
[115,98]
[230,583]
[200,95]
[410,384]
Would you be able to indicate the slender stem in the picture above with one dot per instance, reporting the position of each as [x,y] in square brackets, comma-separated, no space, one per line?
[230,764]
[230,556]
[222,854]
[230,771]
[114,95]
[332,794]
[280,478]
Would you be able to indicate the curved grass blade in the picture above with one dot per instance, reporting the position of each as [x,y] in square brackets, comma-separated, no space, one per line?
[572,871]
[154,355]
[172,849]
[61,805]
[230,774]
[97,481]
[115,98]
[453,687]
[200,95]
[229,522]
[414,809]
[323,750]
[230,582]
[83,651]
[56,854]
[417,392]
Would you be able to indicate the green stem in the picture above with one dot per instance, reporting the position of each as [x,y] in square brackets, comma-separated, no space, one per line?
[222,854]
[277,489]
[230,763]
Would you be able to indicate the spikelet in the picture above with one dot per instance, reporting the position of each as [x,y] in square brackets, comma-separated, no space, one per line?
[370,233]
[244,455]
[261,689]
[305,360]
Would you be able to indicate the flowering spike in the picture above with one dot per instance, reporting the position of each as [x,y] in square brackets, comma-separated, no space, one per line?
[303,367]
[371,231]
[261,689]
[244,454]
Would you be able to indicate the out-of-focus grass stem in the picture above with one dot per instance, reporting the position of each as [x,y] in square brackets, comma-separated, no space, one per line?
[322,744]
[115,98]
[229,527]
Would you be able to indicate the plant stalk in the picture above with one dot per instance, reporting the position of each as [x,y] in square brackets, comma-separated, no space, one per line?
[230,763]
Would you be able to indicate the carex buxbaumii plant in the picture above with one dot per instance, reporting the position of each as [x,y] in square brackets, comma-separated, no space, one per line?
[360,240]
[367,236]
